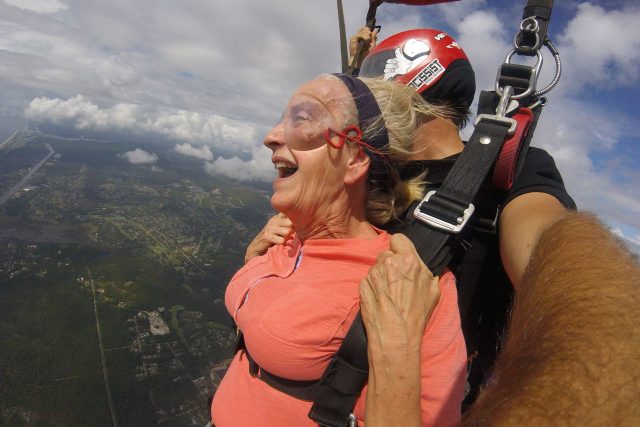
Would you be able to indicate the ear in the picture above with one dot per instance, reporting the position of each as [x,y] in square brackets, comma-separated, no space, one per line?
[357,167]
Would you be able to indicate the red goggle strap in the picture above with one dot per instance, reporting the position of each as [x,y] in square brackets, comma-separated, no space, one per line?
[347,134]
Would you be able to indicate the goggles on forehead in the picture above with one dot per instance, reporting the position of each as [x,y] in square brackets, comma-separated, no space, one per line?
[308,125]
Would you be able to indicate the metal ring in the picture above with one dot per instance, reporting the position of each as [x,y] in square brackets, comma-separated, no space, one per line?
[518,46]
[531,27]
[535,71]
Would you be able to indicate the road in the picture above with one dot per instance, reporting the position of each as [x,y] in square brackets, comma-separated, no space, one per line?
[105,372]
[7,140]
[20,185]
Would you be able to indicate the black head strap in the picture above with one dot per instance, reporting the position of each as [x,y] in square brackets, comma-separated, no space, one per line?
[368,113]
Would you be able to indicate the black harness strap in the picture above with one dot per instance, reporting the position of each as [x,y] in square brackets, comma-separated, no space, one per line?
[335,394]
[527,42]
[452,201]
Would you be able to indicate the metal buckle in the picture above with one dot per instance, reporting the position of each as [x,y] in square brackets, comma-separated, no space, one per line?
[533,79]
[439,223]
[352,420]
[513,124]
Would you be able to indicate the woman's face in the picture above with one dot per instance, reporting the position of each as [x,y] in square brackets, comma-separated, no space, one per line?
[310,173]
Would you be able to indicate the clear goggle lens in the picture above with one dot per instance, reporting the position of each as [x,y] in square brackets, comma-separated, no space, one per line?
[305,121]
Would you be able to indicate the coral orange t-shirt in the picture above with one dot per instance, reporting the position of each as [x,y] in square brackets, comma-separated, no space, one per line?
[295,305]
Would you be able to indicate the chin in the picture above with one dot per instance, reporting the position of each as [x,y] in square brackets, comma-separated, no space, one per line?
[278,203]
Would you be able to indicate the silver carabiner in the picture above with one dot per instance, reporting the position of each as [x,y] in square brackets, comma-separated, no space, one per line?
[505,98]
[535,70]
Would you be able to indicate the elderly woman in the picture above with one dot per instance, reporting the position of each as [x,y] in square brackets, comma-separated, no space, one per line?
[338,160]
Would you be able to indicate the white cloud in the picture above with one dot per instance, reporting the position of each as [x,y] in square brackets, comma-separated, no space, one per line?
[633,242]
[258,168]
[175,124]
[484,38]
[83,113]
[140,157]
[600,47]
[203,152]
[40,6]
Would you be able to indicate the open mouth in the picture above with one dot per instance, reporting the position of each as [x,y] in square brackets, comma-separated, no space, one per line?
[285,169]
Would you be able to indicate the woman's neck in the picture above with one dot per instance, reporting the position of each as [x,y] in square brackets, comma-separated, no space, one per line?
[337,221]
[436,139]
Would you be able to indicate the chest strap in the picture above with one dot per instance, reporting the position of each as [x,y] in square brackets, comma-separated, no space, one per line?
[335,393]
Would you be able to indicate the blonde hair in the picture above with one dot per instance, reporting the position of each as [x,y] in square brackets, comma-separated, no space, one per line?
[403,112]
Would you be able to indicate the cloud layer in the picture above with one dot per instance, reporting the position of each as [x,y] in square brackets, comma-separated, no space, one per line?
[144,67]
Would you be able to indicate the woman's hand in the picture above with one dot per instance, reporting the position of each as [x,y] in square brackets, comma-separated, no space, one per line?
[397,297]
[396,300]
[277,231]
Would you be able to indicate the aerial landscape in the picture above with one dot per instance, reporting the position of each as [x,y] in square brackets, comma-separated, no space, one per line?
[112,279]
[133,174]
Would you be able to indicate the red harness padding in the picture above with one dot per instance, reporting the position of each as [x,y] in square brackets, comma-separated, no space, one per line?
[505,167]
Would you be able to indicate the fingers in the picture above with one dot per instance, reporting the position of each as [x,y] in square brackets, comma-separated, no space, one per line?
[278,229]
[400,279]
[275,232]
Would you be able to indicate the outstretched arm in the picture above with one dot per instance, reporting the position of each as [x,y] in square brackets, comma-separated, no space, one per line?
[572,352]
[275,232]
[522,222]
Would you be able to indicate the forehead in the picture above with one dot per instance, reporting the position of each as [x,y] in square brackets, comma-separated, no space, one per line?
[329,93]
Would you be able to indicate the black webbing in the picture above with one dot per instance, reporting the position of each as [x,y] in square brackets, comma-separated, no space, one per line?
[343,379]
[526,41]
[335,394]
[303,390]
[458,191]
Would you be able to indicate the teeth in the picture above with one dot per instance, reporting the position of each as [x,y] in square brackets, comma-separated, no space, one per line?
[284,165]
[285,169]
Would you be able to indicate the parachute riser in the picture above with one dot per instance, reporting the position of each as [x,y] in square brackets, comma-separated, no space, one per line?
[528,42]
[371,23]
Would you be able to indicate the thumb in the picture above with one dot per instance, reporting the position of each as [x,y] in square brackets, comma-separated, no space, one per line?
[400,244]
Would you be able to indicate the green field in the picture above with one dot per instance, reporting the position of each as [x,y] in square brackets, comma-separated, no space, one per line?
[142,252]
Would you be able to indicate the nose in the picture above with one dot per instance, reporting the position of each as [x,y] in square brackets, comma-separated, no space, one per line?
[275,137]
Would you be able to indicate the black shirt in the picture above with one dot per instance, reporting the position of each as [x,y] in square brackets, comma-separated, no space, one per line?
[484,289]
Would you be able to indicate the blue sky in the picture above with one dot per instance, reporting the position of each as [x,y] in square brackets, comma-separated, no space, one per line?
[213,75]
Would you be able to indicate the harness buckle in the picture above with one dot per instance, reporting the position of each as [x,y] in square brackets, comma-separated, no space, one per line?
[440,223]
[500,119]
[534,72]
